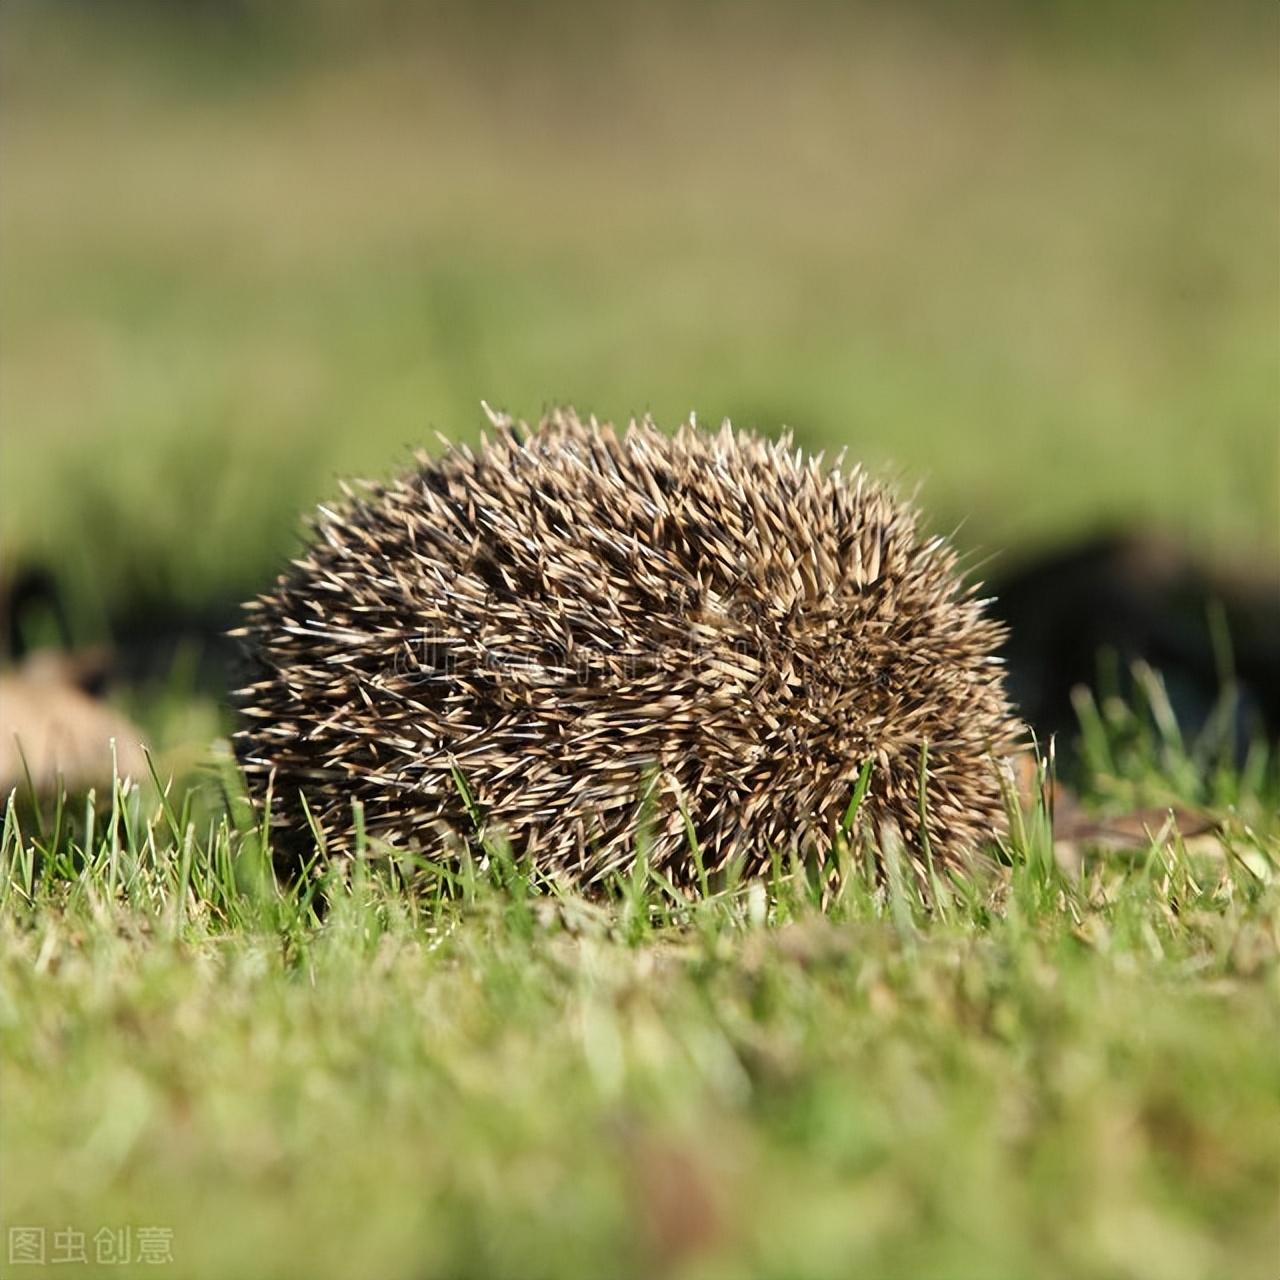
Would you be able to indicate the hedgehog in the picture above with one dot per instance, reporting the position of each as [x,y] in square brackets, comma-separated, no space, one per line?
[599,641]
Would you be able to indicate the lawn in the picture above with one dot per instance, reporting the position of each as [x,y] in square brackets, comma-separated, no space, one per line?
[1025,260]
[1029,265]
[1064,1067]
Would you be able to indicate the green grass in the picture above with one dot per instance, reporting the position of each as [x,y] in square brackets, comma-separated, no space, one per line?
[1029,261]
[416,1071]
[1028,265]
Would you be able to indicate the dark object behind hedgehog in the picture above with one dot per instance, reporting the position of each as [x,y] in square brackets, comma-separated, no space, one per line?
[596,632]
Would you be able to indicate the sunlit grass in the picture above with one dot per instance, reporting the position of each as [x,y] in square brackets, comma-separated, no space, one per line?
[418,1068]
[1031,273]
[1035,272]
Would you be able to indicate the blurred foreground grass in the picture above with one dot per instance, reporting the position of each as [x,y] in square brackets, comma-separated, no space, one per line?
[1062,1070]
[1031,265]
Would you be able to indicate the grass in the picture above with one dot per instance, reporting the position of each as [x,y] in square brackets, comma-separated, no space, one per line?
[409,1071]
[1026,259]
[1028,265]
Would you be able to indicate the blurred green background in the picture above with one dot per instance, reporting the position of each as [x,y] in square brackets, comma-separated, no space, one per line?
[1025,255]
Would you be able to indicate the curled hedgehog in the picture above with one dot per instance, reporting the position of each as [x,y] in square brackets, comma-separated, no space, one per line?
[579,634]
